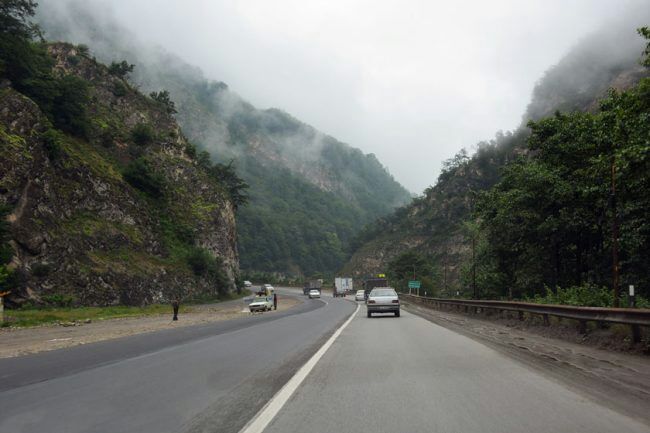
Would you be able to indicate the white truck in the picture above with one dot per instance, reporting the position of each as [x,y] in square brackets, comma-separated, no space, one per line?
[342,286]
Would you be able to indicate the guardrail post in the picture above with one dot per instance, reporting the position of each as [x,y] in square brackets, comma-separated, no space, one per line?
[636,334]
[546,321]
[521,315]
[582,326]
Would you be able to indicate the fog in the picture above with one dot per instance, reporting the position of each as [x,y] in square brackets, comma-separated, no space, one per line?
[410,81]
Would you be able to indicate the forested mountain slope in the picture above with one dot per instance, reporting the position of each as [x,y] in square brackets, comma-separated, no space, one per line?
[437,235]
[102,199]
[309,193]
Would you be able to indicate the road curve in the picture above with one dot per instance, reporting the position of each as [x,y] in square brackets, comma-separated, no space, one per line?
[202,378]
[406,374]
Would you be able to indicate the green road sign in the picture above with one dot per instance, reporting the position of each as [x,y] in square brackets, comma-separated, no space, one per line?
[413,284]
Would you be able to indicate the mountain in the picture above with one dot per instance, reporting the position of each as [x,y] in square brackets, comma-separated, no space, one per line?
[309,193]
[104,199]
[437,230]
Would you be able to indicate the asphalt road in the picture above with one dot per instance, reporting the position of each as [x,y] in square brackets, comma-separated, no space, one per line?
[406,374]
[383,374]
[203,378]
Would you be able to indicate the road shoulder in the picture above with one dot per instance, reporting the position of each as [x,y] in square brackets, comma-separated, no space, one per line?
[24,341]
[618,380]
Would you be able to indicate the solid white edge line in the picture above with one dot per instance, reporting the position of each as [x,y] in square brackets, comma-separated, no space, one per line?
[264,417]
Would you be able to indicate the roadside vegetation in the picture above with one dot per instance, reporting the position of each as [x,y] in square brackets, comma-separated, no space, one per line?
[544,214]
[31,315]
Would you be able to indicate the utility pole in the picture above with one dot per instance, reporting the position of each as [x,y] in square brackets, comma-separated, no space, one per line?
[615,266]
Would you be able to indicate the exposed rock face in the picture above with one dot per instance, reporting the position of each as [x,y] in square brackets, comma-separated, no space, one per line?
[79,229]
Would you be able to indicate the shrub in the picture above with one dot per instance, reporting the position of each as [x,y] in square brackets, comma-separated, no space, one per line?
[62,301]
[69,112]
[119,89]
[83,50]
[120,69]
[190,150]
[142,134]
[585,295]
[141,175]
[163,98]
[204,264]
[52,142]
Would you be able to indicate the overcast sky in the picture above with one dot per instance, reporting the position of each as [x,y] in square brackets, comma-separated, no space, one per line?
[412,81]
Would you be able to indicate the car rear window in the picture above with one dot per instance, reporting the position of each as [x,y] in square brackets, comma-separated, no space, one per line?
[383,292]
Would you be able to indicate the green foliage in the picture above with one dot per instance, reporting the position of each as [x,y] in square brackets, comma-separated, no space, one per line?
[645,33]
[6,252]
[411,265]
[14,18]
[142,134]
[28,66]
[227,176]
[190,150]
[163,98]
[83,50]
[585,295]
[53,143]
[121,69]
[61,301]
[205,264]
[120,89]
[142,176]
[70,106]
[548,221]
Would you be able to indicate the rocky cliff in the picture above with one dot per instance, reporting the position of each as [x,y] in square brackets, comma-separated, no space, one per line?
[123,213]
[309,193]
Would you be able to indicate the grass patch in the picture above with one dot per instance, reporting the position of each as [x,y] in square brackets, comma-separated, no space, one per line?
[34,317]
[41,316]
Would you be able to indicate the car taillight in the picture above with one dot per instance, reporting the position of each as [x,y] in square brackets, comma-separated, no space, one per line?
[395,301]
[371,301]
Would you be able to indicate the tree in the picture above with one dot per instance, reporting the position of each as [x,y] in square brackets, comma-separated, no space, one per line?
[226,175]
[120,69]
[14,18]
[163,98]
[645,33]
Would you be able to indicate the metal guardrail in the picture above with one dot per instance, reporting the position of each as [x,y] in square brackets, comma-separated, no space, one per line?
[635,317]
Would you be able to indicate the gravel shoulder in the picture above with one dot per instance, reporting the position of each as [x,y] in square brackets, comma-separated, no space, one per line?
[24,341]
[621,379]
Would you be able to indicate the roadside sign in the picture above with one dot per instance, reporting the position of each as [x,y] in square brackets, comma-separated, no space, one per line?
[414,284]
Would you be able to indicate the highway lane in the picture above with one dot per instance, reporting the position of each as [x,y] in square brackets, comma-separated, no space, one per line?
[204,378]
[406,374]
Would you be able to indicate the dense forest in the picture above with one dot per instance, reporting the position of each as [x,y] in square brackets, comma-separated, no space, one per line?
[309,193]
[537,213]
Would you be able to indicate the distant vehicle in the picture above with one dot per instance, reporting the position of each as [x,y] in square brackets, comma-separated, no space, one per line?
[248,284]
[383,300]
[313,284]
[314,293]
[360,295]
[371,283]
[261,303]
[342,286]
[268,287]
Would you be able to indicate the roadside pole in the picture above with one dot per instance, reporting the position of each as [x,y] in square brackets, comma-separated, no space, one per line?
[2,305]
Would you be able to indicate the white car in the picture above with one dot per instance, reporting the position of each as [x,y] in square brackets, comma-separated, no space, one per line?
[360,295]
[268,287]
[383,300]
[313,293]
[261,303]
[248,284]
